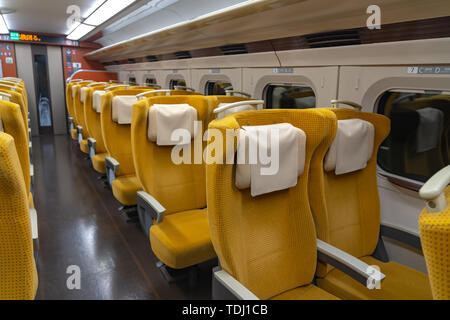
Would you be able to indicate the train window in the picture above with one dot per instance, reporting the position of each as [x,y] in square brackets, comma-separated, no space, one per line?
[150,81]
[177,82]
[217,88]
[419,143]
[289,97]
[132,80]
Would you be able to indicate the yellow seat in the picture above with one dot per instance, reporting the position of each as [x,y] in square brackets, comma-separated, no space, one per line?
[182,238]
[93,127]
[98,162]
[117,139]
[435,236]
[346,211]
[70,109]
[18,99]
[18,275]
[268,242]
[13,124]
[78,107]
[125,189]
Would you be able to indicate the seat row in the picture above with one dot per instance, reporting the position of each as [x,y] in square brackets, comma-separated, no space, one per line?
[18,217]
[314,219]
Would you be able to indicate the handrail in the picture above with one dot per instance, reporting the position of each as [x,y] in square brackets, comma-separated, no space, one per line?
[96,84]
[117,86]
[10,81]
[8,86]
[183,88]
[150,85]
[85,81]
[5,94]
[433,191]
[230,93]
[86,70]
[349,103]
[140,96]
[259,105]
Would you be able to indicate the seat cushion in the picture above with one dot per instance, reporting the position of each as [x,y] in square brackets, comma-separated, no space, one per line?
[73,134]
[84,147]
[182,239]
[98,162]
[401,283]
[310,292]
[125,189]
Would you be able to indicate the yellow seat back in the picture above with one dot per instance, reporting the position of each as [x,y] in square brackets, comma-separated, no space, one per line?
[268,242]
[346,207]
[69,101]
[93,122]
[18,99]
[117,137]
[177,187]
[18,275]
[435,237]
[11,117]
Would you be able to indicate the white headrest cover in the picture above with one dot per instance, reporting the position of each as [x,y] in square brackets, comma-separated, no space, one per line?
[83,91]
[352,147]
[97,100]
[121,108]
[5,98]
[163,119]
[291,158]
[227,112]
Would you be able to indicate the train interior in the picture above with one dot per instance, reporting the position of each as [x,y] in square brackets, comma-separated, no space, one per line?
[224,150]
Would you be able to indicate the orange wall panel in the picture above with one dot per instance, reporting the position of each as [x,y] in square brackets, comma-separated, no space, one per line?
[8,59]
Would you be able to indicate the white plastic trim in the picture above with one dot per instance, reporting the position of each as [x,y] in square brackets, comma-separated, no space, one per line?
[34,223]
[259,105]
[349,103]
[142,95]
[433,191]
[234,286]
[347,260]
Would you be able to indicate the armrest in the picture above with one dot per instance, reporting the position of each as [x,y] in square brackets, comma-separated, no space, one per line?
[233,286]
[402,235]
[70,119]
[433,191]
[112,166]
[92,144]
[357,269]
[80,133]
[34,223]
[148,205]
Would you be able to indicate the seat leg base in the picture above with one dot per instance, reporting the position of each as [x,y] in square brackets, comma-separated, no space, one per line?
[102,177]
[176,275]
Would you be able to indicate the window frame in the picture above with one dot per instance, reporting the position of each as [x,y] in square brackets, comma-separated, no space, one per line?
[285,84]
[213,82]
[396,179]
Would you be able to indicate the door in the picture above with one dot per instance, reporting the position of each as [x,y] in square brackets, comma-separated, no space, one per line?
[42,89]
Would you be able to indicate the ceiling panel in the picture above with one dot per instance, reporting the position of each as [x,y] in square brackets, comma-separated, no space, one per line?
[47,16]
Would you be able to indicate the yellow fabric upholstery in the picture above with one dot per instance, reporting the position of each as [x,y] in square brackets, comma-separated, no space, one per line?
[18,275]
[310,292]
[435,237]
[182,239]
[84,147]
[70,109]
[346,210]
[13,125]
[268,243]
[78,107]
[19,89]
[18,99]
[125,189]
[74,134]
[98,162]
[117,139]
[401,283]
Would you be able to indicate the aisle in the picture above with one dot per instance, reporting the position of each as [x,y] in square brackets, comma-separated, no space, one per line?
[79,225]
